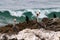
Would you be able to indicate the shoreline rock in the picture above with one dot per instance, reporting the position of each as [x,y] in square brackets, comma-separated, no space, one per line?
[49,27]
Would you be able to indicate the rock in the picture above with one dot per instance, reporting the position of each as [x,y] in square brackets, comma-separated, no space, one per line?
[13,39]
[45,30]
[45,20]
[42,39]
[5,38]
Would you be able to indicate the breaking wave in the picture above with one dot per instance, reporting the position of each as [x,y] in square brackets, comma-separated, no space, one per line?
[7,16]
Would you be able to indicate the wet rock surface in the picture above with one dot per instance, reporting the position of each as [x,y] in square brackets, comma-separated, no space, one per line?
[32,30]
[52,24]
[48,24]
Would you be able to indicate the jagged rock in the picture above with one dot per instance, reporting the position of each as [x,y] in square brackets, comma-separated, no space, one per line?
[46,23]
[34,30]
[35,34]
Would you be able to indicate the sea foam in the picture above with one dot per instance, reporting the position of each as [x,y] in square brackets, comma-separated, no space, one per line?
[43,13]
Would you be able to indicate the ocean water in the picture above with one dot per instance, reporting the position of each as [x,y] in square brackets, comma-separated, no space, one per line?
[7,16]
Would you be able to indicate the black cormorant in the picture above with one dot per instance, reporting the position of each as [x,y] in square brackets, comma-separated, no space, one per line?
[54,15]
[27,19]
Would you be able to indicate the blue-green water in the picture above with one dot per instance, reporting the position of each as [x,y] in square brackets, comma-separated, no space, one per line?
[7,16]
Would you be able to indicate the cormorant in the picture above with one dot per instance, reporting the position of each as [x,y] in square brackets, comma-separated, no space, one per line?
[54,15]
[27,19]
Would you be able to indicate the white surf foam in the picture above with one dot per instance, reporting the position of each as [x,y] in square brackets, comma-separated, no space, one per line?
[43,13]
[16,13]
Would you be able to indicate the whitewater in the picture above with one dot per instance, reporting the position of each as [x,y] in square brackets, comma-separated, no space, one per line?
[43,12]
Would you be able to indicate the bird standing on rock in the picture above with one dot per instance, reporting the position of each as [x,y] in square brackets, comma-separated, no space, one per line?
[14,26]
[27,19]
[14,23]
[37,16]
[54,15]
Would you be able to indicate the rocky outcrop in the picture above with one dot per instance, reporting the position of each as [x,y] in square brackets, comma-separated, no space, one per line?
[48,24]
[52,24]
[33,34]
[47,29]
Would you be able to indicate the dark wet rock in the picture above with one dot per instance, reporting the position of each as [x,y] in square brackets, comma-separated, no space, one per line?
[22,39]
[45,20]
[10,25]
[43,39]
[5,37]
[46,23]
[37,36]
[13,39]
[51,24]
[42,25]
[1,31]
[6,31]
